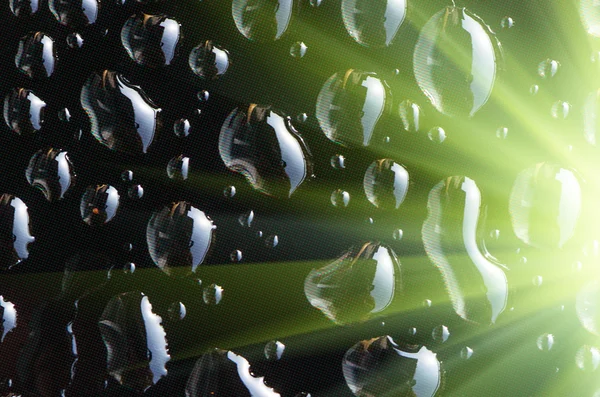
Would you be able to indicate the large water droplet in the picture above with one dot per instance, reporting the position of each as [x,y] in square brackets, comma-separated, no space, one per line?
[373,23]
[179,236]
[209,60]
[262,20]
[455,61]
[122,116]
[74,40]
[360,283]
[179,167]
[51,171]
[75,13]
[545,205]
[8,314]
[15,235]
[23,8]
[264,146]
[177,311]
[379,367]
[99,204]
[36,56]
[298,49]
[151,40]
[350,106]
[386,184]
[475,281]
[440,334]
[223,373]
[560,110]
[23,111]
[135,341]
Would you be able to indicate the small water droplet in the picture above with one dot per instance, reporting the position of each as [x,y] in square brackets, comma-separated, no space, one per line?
[440,334]
[151,40]
[177,311]
[397,234]
[229,191]
[502,132]
[386,184]
[212,294]
[272,241]
[203,96]
[548,68]
[410,114]
[51,172]
[181,128]
[127,176]
[298,49]
[560,110]
[437,135]
[338,162]
[274,350]
[209,60]
[537,281]
[74,40]
[534,89]
[179,167]
[135,192]
[587,358]
[371,24]
[466,353]
[340,198]
[545,342]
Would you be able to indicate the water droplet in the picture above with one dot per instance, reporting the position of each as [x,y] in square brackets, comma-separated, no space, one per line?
[135,192]
[440,334]
[560,110]
[8,314]
[23,111]
[545,204]
[410,114]
[338,162]
[466,353]
[589,11]
[203,96]
[177,311]
[534,89]
[263,145]
[209,60]
[151,40]
[427,303]
[298,49]
[545,342]
[74,40]
[397,234]
[340,198]
[75,13]
[350,106]
[36,56]
[587,358]
[122,117]
[452,242]
[129,268]
[236,256]
[99,204]
[223,373]
[135,341]
[502,133]
[64,115]
[262,20]
[537,281]
[179,236]
[380,367]
[246,219]
[587,306]
[437,134]
[272,241]
[127,176]
[507,23]
[495,234]
[23,8]
[181,128]
[373,24]
[212,294]
[229,191]
[51,172]
[315,3]
[548,68]
[455,61]
[178,167]
[361,282]
[274,350]
[386,184]
[15,234]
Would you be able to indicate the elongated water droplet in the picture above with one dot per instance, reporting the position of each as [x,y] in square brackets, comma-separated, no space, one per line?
[587,358]
[548,68]
[8,315]
[36,56]
[15,234]
[373,23]
[340,198]
[589,11]
[386,184]
[545,342]
[298,49]
[262,20]
[74,40]
[51,171]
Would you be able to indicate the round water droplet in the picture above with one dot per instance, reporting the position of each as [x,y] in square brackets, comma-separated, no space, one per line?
[545,342]
[122,117]
[534,89]
[182,128]
[437,135]
[246,219]
[272,241]
[537,281]
[51,171]
[466,353]
[302,117]
[560,110]
[74,40]
[151,40]
[75,13]
[209,61]
[23,8]
[36,56]
[263,145]
[179,237]
[212,294]
[440,334]
[507,23]
[397,234]
[315,3]
[203,96]
[340,198]
[274,350]
[576,266]
[129,268]
[350,106]
[298,49]
[373,23]
[23,111]
[548,68]
[380,367]
[360,283]
[386,184]
[127,176]
[15,235]
[545,205]
[259,234]
[427,303]
[236,256]
[178,167]
[99,204]
[177,311]
[587,358]
[338,162]
[135,192]
[502,133]
[229,191]
[455,61]
[454,205]
[262,20]
[410,114]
